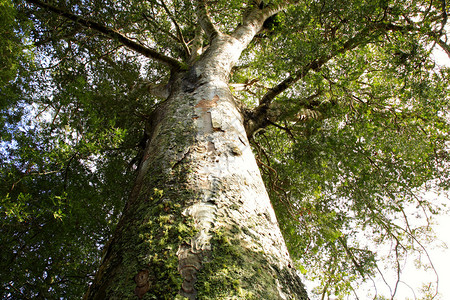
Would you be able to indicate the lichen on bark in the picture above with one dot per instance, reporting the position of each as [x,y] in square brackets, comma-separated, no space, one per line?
[236,271]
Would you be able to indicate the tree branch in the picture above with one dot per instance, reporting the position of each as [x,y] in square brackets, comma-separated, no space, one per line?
[205,20]
[155,24]
[196,44]
[261,113]
[259,117]
[147,52]
[178,29]
[436,36]
[253,21]
[444,46]
[315,65]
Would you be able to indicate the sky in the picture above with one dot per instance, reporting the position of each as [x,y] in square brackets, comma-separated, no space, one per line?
[412,278]
[439,252]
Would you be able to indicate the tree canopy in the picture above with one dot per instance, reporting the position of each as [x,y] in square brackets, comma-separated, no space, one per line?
[346,110]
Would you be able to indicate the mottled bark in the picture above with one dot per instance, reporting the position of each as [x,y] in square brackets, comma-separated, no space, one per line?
[199,223]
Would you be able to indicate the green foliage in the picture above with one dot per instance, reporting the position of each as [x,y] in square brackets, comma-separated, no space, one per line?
[55,214]
[15,43]
[360,165]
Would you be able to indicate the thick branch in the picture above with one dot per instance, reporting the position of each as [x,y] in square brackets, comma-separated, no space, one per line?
[196,44]
[259,117]
[150,53]
[262,115]
[254,19]
[205,20]
[352,43]
[444,15]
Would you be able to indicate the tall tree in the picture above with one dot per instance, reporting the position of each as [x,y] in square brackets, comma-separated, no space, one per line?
[141,127]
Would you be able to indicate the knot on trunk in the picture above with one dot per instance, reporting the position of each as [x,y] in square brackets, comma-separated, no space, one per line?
[142,283]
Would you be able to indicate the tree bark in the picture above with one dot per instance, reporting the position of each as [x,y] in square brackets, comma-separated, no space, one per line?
[199,223]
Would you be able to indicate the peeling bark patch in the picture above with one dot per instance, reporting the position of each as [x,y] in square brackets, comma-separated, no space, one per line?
[142,283]
[211,147]
[205,105]
[207,122]
[200,148]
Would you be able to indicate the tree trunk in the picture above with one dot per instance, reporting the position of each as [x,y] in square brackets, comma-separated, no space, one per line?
[199,222]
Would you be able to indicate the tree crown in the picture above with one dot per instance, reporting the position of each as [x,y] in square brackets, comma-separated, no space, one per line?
[345,108]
